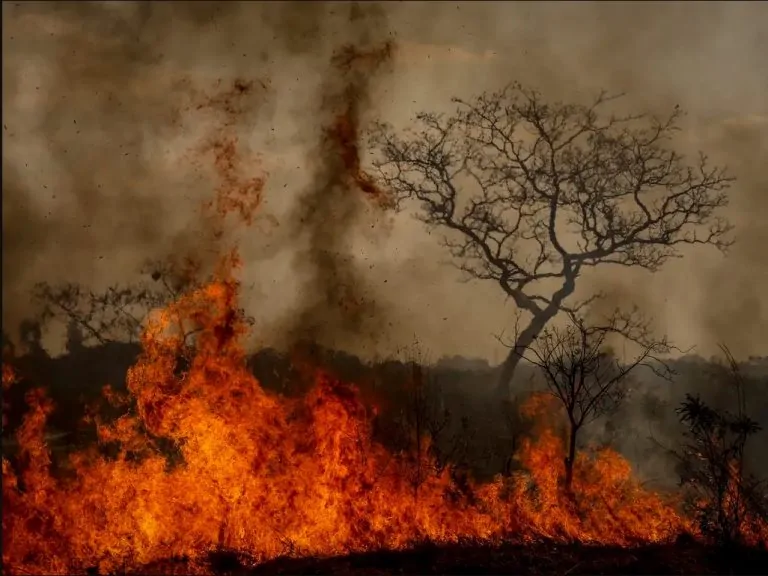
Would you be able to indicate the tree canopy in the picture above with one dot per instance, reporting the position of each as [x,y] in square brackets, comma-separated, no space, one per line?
[532,193]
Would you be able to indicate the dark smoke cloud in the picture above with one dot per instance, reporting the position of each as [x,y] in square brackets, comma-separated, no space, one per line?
[108,163]
[123,188]
[339,305]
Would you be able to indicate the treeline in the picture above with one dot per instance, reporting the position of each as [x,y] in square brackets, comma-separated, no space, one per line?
[696,428]
[449,400]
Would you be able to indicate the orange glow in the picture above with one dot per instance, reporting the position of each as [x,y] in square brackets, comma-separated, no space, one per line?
[266,476]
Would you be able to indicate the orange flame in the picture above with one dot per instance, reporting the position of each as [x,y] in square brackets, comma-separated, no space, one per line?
[265,476]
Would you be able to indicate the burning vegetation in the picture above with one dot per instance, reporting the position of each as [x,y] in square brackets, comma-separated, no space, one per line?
[202,458]
[265,476]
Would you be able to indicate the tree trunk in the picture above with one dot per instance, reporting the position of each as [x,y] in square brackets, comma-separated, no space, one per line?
[571,458]
[512,360]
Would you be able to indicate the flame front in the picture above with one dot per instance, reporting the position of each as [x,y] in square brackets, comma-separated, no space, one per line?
[266,476]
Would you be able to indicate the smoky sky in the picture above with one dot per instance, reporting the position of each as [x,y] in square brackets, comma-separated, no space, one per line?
[97,139]
[104,167]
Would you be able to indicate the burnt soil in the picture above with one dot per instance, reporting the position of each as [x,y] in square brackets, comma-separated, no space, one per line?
[683,557]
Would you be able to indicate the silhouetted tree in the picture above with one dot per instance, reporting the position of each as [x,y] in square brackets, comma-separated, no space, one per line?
[117,313]
[75,338]
[585,376]
[31,336]
[725,498]
[531,193]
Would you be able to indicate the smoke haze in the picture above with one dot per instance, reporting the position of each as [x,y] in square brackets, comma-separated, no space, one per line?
[100,124]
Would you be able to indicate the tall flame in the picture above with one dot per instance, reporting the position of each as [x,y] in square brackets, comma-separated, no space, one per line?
[265,476]
[204,458]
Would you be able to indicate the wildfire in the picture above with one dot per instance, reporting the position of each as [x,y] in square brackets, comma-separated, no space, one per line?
[263,475]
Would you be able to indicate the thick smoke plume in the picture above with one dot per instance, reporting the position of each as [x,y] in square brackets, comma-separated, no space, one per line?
[119,119]
[339,305]
[96,174]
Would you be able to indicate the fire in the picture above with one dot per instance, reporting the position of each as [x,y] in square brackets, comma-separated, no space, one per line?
[265,476]
[203,458]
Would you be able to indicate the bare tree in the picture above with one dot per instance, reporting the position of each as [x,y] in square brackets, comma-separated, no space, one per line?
[116,314]
[530,194]
[585,376]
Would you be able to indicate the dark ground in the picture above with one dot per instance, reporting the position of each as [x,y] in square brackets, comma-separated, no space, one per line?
[684,557]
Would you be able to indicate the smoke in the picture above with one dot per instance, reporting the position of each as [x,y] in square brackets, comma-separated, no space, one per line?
[94,127]
[74,170]
[121,119]
[339,307]
[706,58]
[98,132]
[734,305]
[118,121]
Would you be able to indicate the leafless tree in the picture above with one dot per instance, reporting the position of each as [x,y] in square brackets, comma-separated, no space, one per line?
[530,194]
[117,313]
[581,371]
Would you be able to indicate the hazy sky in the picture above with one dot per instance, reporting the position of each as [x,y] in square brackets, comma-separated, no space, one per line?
[97,137]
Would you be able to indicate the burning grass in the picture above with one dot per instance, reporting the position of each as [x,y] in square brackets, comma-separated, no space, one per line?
[264,476]
[267,476]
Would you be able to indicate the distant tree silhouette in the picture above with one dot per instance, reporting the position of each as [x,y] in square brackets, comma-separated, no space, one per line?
[583,374]
[31,335]
[116,314]
[75,339]
[532,193]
